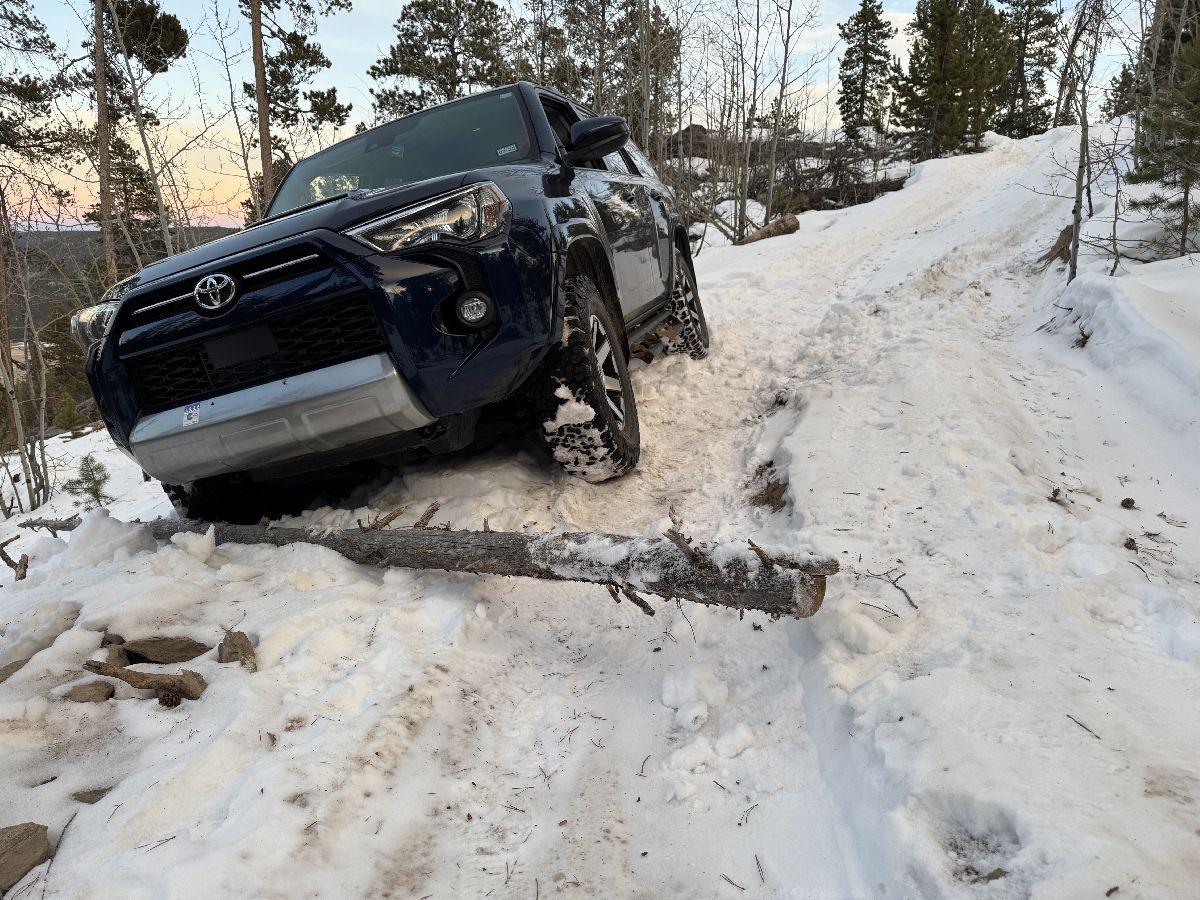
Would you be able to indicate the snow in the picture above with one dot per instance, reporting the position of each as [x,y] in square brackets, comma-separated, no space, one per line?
[996,700]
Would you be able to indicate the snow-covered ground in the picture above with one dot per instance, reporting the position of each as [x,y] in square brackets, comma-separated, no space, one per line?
[1014,715]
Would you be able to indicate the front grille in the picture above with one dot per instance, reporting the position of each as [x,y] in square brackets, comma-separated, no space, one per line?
[329,332]
[253,271]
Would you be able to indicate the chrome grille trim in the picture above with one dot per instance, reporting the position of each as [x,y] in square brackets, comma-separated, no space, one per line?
[284,265]
[162,303]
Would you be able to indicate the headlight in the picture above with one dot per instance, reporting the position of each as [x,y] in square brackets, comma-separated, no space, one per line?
[90,324]
[471,214]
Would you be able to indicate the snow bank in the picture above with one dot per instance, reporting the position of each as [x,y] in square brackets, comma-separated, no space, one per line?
[1144,328]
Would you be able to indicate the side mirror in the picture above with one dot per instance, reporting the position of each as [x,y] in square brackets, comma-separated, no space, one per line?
[594,138]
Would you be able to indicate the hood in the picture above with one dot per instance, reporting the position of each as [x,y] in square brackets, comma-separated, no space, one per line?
[334,215]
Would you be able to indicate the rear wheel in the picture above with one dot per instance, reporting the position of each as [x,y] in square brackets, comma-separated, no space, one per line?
[687,329]
[582,397]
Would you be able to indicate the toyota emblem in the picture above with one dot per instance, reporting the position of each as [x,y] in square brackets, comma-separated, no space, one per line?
[215,292]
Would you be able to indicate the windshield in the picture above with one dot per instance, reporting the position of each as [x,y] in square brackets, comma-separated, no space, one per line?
[468,134]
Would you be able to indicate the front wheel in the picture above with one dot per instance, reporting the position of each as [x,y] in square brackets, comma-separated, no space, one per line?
[582,397]
[687,329]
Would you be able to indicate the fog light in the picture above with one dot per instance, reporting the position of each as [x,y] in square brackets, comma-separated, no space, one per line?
[474,309]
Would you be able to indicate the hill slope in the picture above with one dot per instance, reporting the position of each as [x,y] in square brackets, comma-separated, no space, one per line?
[994,702]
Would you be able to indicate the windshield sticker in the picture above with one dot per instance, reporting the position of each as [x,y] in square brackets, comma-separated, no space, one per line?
[191,415]
[504,151]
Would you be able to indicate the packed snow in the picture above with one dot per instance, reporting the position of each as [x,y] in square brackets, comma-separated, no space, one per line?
[997,700]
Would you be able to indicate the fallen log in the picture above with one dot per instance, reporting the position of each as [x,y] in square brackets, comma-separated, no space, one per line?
[785,224]
[672,567]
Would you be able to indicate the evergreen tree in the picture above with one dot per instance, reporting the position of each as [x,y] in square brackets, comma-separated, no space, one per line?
[592,29]
[1033,30]
[542,51]
[986,49]
[135,207]
[1121,95]
[90,485]
[864,71]
[292,60]
[1170,157]
[928,101]
[444,49]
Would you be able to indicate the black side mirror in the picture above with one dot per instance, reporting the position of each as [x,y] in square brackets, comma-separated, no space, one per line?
[594,138]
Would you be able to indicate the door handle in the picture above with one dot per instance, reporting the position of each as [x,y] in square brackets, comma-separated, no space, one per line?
[655,195]
[629,195]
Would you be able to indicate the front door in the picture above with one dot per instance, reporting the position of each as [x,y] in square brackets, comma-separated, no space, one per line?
[623,208]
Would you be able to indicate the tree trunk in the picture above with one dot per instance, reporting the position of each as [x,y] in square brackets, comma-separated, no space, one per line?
[668,567]
[1081,173]
[747,578]
[260,96]
[139,119]
[103,144]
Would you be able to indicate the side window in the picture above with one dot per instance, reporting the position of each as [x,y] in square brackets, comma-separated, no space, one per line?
[615,162]
[640,161]
[562,117]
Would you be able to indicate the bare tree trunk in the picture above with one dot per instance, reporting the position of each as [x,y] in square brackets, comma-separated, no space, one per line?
[260,96]
[8,378]
[103,143]
[785,33]
[139,119]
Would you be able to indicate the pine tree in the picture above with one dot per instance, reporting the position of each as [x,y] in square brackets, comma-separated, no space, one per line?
[291,61]
[444,50]
[864,71]
[90,484]
[928,101]
[541,48]
[1170,158]
[1033,28]
[986,47]
[1121,95]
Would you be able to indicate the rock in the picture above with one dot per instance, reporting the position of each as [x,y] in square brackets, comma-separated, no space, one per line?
[117,655]
[785,224]
[21,848]
[110,639]
[236,647]
[164,650]
[11,669]
[94,795]
[91,692]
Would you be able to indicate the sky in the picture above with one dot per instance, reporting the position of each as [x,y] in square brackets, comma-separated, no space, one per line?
[352,40]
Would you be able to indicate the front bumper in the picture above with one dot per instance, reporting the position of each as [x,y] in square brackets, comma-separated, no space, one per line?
[329,409]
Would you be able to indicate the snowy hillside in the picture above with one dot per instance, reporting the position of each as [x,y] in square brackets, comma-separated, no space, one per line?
[998,699]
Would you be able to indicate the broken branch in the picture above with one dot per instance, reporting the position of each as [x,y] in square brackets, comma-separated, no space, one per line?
[187,684]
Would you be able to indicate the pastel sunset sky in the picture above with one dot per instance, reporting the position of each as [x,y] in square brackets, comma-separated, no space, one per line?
[196,90]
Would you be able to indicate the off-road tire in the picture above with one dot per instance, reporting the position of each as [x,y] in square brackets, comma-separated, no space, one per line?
[582,398]
[686,331]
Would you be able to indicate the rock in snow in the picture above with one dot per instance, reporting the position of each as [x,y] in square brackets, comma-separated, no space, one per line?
[163,650]
[90,692]
[21,848]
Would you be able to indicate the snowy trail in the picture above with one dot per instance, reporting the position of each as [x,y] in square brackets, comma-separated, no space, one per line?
[1025,728]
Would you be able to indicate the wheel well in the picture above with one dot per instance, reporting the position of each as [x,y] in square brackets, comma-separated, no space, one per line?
[585,257]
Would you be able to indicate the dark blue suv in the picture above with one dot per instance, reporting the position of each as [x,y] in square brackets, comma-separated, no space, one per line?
[493,259]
